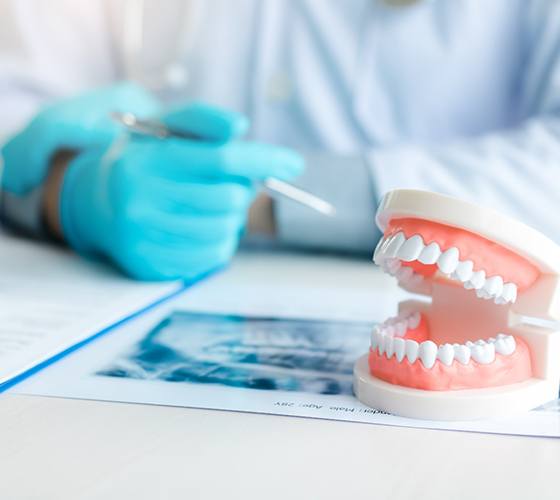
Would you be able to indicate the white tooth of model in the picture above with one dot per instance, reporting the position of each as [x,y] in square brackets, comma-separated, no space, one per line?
[381,344]
[399,346]
[411,350]
[483,354]
[414,320]
[462,353]
[401,327]
[505,345]
[464,270]
[411,248]
[509,293]
[382,253]
[394,245]
[505,295]
[378,253]
[481,293]
[427,352]
[448,260]
[510,344]
[476,281]
[445,354]
[389,347]
[494,286]
[430,254]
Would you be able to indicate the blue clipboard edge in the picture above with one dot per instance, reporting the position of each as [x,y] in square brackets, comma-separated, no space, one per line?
[57,357]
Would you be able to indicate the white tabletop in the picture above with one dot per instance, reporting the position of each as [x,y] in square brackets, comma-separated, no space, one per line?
[70,449]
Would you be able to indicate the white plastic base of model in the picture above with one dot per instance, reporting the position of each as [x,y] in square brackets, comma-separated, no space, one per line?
[471,404]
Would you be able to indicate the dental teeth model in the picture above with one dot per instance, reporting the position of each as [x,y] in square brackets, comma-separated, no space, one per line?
[466,354]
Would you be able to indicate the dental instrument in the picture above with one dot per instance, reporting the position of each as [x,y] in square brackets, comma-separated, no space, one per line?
[154,128]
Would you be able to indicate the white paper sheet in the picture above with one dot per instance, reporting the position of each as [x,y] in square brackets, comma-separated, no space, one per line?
[50,300]
[264,365]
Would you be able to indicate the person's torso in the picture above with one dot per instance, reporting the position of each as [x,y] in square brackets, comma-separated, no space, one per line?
[341,76]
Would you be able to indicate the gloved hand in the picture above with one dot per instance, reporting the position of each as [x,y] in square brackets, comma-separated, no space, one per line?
[174,208]
[75,123]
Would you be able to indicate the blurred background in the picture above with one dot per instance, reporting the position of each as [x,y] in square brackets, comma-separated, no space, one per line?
[8,32]
[346,100]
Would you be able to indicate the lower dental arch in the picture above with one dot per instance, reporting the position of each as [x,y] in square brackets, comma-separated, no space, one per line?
[410,359]
[388,339]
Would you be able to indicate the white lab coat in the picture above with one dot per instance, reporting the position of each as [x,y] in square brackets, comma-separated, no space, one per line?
[458,97]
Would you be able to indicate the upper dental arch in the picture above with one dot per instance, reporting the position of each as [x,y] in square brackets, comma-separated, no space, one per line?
[396,248]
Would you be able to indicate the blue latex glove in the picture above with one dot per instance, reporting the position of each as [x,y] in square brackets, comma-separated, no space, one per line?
[72,124]
[166,209]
